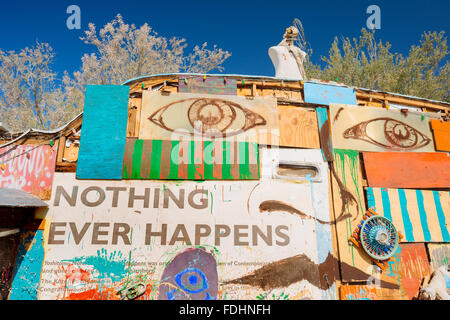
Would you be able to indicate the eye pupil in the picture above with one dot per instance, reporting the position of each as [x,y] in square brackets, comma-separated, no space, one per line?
[215,116]
[400,135]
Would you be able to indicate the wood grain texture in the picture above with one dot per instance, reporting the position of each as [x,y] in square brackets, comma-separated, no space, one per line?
[419,215]
[407,170]
[441,134]
[298,128]
[379,130]
[325,94]
[103,132]
[209,85]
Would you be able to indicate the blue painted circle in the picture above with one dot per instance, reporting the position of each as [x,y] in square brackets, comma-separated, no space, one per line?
[193,279]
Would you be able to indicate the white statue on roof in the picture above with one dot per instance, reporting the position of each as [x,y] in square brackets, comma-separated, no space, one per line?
[288,58]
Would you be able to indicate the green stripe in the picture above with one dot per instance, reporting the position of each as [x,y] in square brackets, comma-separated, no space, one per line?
[244,170]
[226,167]
[137,158]
[208,147]
[155,163]
[191,162]
[174,159]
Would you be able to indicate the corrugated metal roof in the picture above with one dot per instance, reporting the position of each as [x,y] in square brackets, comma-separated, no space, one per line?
[19,198]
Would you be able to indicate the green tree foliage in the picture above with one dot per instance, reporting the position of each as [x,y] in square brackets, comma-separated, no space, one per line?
[366,63]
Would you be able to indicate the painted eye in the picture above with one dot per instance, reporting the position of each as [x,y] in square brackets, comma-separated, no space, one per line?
[396,134]
[191,280]
[209,117]
[192,274]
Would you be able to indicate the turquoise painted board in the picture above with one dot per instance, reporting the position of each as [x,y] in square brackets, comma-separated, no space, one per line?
[324,134]
[325,94]
[103,132]
[27,272]
[419,215]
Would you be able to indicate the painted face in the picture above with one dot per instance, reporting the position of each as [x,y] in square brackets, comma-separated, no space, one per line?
[191,275]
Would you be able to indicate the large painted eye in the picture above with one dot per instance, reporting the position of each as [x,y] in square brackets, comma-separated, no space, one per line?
[209,117]
[396,134]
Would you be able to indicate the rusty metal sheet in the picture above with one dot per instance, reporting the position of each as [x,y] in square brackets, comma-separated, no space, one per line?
[379,130]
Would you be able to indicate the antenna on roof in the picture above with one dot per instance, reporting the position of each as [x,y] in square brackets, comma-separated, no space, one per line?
[300,40]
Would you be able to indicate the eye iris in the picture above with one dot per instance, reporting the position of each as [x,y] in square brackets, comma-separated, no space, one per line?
[400,135]
[214,115]
[210,114]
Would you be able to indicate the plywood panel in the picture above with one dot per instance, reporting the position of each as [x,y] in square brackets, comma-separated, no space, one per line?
[103,132]
[298,128]
[206,160]
[324,134]
[349,208]
[441,134]
[29,168]
[379,130]
[419,215]
[439,255]
[207,117]
[325,94]
[319,188]
[207,84]
[407,170]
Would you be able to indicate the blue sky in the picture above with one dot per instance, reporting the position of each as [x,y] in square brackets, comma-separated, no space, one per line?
[245,28]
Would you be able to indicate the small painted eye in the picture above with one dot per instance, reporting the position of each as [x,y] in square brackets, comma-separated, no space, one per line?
[191,280]
[213,118]
[396,134]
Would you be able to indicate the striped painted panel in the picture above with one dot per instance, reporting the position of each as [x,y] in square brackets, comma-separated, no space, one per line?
[420,215]
[190,160]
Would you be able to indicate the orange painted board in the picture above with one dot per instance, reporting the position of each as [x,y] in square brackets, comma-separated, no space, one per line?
[369,292]
[407,169]
[441,133]
[414,266]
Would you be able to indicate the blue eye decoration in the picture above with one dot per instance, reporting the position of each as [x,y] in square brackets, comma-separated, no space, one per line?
[191,280]
[396,134]
[191,275]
